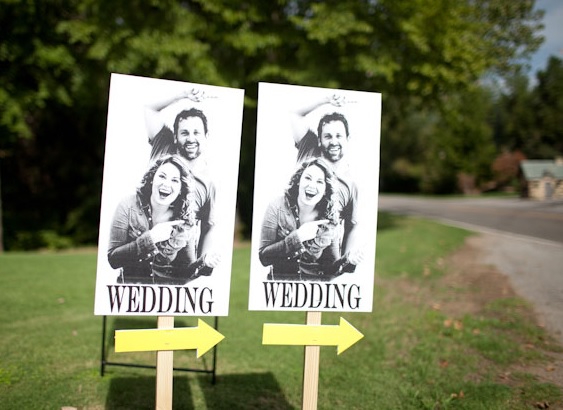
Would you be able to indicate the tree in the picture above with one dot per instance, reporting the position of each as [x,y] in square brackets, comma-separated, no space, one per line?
[515,120]
[528,118]
[549,106]
[441,51]
[506,168]
[37,72]
[459,154]
[57,56]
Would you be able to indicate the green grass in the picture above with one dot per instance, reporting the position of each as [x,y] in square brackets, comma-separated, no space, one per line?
[410,247]
[50,342]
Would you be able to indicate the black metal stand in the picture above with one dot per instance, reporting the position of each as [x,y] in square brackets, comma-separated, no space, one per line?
[104,362]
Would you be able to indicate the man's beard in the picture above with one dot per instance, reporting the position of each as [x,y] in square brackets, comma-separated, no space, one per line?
[189,153]
[333,156]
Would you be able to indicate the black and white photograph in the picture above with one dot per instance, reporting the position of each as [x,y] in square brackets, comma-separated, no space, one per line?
[315,199]
[168,198]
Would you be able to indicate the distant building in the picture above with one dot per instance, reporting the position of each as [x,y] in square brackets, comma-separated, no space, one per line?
[543,179]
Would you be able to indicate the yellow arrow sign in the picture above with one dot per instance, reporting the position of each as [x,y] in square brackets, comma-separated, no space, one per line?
[203,337]
[344,335]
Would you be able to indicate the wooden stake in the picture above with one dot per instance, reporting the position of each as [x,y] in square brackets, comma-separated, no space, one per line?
[311,368]
[164,369]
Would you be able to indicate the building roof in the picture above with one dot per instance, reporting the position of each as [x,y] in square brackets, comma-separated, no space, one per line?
[537,169]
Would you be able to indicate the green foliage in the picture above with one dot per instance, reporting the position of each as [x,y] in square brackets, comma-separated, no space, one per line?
[462,143]
[549,94]
[35,62]
[44,239]
[429,148]
[515,122]
[528,117]
[56,58]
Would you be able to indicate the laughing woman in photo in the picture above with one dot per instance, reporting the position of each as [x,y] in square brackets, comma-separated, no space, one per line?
[152,238]
[300,238]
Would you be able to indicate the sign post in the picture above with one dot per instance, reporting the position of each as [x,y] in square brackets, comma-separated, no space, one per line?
[165,340]
[315,213]
[311,367]
[164,367]
[167,216]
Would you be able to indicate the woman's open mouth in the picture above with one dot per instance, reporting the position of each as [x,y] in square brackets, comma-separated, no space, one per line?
[164,193]
[310,194]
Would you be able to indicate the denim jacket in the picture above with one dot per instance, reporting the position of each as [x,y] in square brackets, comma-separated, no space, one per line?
[141,261]
[280,247]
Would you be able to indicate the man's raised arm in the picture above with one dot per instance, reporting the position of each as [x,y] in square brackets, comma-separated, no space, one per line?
[299,125]
[153,111]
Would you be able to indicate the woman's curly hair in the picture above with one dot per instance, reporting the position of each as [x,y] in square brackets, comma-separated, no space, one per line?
[326,206]
[182,207]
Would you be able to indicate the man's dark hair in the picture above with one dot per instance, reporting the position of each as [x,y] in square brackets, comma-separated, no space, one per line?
[192,112]
[335,116]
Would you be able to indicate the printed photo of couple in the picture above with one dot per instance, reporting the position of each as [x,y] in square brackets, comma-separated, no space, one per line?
[315,198]
[169,189]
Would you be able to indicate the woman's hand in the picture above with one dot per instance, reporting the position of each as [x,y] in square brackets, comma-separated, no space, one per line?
[163,231]
[309,230]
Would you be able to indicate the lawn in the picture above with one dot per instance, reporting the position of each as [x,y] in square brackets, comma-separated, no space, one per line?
[413,356]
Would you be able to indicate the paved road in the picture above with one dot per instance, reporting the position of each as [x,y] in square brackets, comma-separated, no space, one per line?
[523,239]
[543,220]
